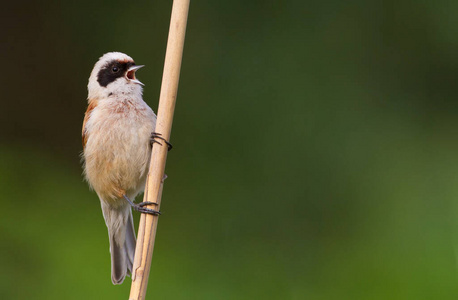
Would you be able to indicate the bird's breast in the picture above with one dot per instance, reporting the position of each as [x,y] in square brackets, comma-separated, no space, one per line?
[118,149]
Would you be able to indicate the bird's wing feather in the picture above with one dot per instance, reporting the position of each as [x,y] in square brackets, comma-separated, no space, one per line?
[84,133]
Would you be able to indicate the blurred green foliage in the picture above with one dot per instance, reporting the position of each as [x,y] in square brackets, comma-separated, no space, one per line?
[315,150]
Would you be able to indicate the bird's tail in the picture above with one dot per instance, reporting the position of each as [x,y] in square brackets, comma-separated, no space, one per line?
[122,241]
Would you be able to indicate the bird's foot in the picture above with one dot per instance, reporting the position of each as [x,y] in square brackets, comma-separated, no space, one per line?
[156,135]
[140,207]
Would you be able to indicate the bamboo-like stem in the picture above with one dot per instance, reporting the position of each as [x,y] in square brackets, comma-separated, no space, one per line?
[153,189]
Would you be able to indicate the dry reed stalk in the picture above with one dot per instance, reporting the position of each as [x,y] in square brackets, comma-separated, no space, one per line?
[153,190]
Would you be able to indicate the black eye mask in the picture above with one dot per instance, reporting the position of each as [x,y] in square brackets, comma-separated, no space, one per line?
[112,71]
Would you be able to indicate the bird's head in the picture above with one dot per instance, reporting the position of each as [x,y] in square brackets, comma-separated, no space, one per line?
[114,74]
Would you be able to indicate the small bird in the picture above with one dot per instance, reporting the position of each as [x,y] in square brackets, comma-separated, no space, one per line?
[118,132]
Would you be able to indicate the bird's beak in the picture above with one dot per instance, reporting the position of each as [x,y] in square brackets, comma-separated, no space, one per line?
[130,75]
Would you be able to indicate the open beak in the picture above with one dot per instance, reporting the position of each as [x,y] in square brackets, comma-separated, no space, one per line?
[130,75]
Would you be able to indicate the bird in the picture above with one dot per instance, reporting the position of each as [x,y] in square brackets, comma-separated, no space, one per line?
[117,136]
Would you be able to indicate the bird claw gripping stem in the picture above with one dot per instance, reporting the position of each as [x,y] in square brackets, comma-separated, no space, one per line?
[156,135]
[140,207]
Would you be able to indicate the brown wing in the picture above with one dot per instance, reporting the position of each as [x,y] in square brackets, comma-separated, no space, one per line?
[85,134]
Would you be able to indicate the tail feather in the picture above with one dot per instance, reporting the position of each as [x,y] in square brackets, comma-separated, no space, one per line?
[122,241]
[118,262]
[131,243]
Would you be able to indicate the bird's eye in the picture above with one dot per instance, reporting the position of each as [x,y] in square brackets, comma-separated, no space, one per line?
[115,69]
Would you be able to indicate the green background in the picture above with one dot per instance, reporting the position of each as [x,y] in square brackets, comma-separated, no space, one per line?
[315,149]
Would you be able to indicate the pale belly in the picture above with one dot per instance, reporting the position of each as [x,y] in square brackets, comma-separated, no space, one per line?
[117,157]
